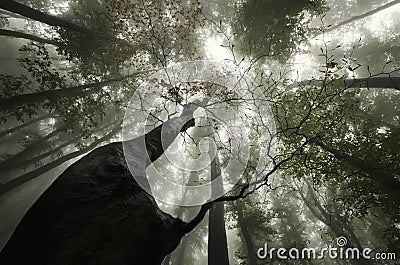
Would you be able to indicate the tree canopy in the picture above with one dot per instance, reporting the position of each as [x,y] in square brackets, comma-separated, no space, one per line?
[291,135]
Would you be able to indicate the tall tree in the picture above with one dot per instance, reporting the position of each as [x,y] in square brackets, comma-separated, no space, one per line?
[217,241]
[65,92]
[246,235]
[369,13]
[51,20]
[21,35]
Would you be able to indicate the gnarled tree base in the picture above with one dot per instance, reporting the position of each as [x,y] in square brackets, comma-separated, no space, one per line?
[94,213]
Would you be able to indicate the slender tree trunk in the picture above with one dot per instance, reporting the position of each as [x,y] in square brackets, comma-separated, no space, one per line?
[374,82]
[12,184]
[11,14]
[68,92]
[346,225]
[55,21]
[24,163]
[371,82]
[21,35]
[382,176]
[30,150]
[338,227]
[326,218]
[26,124]
[336,224]
[250,248]
[369,13]
[217,241]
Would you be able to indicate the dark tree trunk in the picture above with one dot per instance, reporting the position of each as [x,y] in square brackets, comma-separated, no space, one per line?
[55,21]
[383,177]
[11,14]
[371,82]
[246,236]
[70,140]
[369,13]
[24,163]
[67,92]
[29,151]
[12,184]
[21,35]
[25,124]
[96,213]
[217,241]
[335,225]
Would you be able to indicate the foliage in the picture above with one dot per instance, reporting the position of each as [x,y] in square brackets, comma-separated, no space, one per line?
[274,28]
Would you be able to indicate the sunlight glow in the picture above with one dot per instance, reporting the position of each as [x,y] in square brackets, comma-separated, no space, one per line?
[215,51]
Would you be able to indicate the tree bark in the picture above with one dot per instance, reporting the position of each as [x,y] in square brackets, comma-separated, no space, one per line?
[250,248]
[55,21]
[95,213]
[217,241]
[21,35]
[369,13]
[68,92]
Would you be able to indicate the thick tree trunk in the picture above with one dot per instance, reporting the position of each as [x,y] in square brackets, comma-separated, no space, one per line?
[67,92]
[21,35]
[55,21]
[246,236]
[217,241]
[96,213]
[369,13]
